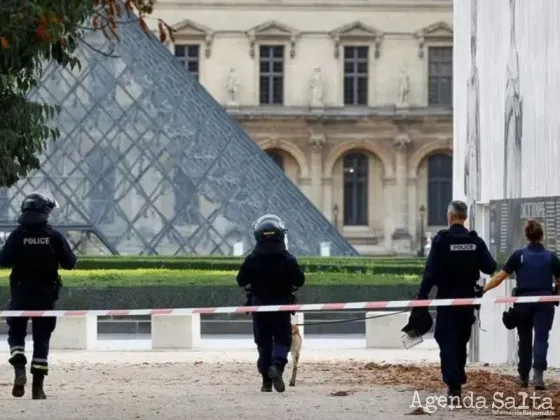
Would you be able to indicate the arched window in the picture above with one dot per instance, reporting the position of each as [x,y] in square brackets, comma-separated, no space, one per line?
[440,189]
[277,158]
[355,189]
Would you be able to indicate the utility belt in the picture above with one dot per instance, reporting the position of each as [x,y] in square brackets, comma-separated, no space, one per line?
[56,286]
[509,317]
[291,300]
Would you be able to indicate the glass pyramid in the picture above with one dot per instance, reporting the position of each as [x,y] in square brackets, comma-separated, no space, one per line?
[149,163]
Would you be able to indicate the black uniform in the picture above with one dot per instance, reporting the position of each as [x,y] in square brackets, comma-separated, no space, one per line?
[454,263]
[272,274]
[34,251]
[534,267]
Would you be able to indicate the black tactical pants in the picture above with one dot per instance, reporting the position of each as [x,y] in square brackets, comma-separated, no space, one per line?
[273,336]
[42,328]
[452,333]
[538,317]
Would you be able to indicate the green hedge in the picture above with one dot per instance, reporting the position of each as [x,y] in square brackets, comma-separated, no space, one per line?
[310,265]
[166,277]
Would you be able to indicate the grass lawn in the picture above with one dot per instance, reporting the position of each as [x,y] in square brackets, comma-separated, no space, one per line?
[163,277]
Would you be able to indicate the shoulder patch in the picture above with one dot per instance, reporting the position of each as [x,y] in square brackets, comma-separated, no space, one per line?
[462,247]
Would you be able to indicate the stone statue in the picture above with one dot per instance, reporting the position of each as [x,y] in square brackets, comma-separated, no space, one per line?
[403,89]
[401,141]
[232,86]
[317,87]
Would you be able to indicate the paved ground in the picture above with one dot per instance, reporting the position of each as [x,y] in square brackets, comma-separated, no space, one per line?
[219,383]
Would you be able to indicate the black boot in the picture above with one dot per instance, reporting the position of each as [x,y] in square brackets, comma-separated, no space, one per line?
[266,383]
[277,381]
[20,379]
[37,387]
[523,381]
[538,380]
[454,396]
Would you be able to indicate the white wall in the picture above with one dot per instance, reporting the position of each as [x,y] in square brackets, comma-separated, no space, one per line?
[537,48]
[506,120]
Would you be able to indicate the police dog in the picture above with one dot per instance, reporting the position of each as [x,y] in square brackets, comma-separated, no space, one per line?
[295,352]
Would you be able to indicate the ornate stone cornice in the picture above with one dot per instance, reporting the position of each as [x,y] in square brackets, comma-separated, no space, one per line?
[357,32]
[273,31]
[188,30]
[439,31]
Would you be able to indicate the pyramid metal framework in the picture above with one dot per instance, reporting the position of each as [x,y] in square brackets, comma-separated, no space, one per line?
[152,164]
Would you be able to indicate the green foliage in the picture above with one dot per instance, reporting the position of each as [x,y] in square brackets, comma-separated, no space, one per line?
[163,277]
[310,265]
[34,33]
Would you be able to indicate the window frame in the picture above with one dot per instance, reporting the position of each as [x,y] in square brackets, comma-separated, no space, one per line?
[441,204]
[272,74]
[356,219]
[187,59]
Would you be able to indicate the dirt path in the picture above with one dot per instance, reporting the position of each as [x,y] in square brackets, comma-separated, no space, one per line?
[231,390]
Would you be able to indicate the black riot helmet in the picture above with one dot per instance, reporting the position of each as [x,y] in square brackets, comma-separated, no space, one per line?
[269,228]
[39,202]
[419,322]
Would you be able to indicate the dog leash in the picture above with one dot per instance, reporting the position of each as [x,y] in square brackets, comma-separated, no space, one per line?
[363,318]
[341,321]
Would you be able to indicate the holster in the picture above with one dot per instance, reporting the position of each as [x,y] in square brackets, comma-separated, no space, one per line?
[478,292]
[249,297]
[293,300]
[57,287]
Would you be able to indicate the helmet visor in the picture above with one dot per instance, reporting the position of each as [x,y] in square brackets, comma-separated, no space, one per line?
[48,197]
[267,217]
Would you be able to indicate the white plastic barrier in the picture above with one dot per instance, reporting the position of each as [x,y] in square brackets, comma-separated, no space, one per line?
[384,332]
[494,337]
[298,319]
[75,333]
[175,331]
[554,342]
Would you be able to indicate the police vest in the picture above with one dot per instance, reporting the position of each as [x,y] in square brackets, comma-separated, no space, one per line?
[535,273]
[459,264]
[36,262]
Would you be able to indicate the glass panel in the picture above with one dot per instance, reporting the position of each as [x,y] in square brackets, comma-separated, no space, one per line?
[114,165]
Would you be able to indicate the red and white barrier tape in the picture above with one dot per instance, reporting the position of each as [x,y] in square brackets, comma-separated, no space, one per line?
[284,308]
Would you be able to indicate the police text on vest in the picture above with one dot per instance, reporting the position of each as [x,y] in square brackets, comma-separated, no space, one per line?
[462,247]
[36,241]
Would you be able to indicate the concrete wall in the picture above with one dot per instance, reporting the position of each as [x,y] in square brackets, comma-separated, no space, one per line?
[506,121]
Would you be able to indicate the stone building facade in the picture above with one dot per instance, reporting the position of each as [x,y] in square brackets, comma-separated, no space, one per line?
[352,99]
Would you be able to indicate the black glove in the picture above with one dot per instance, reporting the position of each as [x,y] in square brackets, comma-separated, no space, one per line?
[555,292]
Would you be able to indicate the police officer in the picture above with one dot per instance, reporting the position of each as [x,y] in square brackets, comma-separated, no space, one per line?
[272,274]
[454,263]
[34,251]
[534,267]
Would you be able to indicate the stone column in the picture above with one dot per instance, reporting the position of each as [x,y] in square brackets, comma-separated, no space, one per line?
[401,236]
[327,198]
[316,142]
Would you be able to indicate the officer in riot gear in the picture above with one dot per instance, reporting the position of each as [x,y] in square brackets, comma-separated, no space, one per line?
[535,267]
[272,274]
[34,251]
[454,263]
